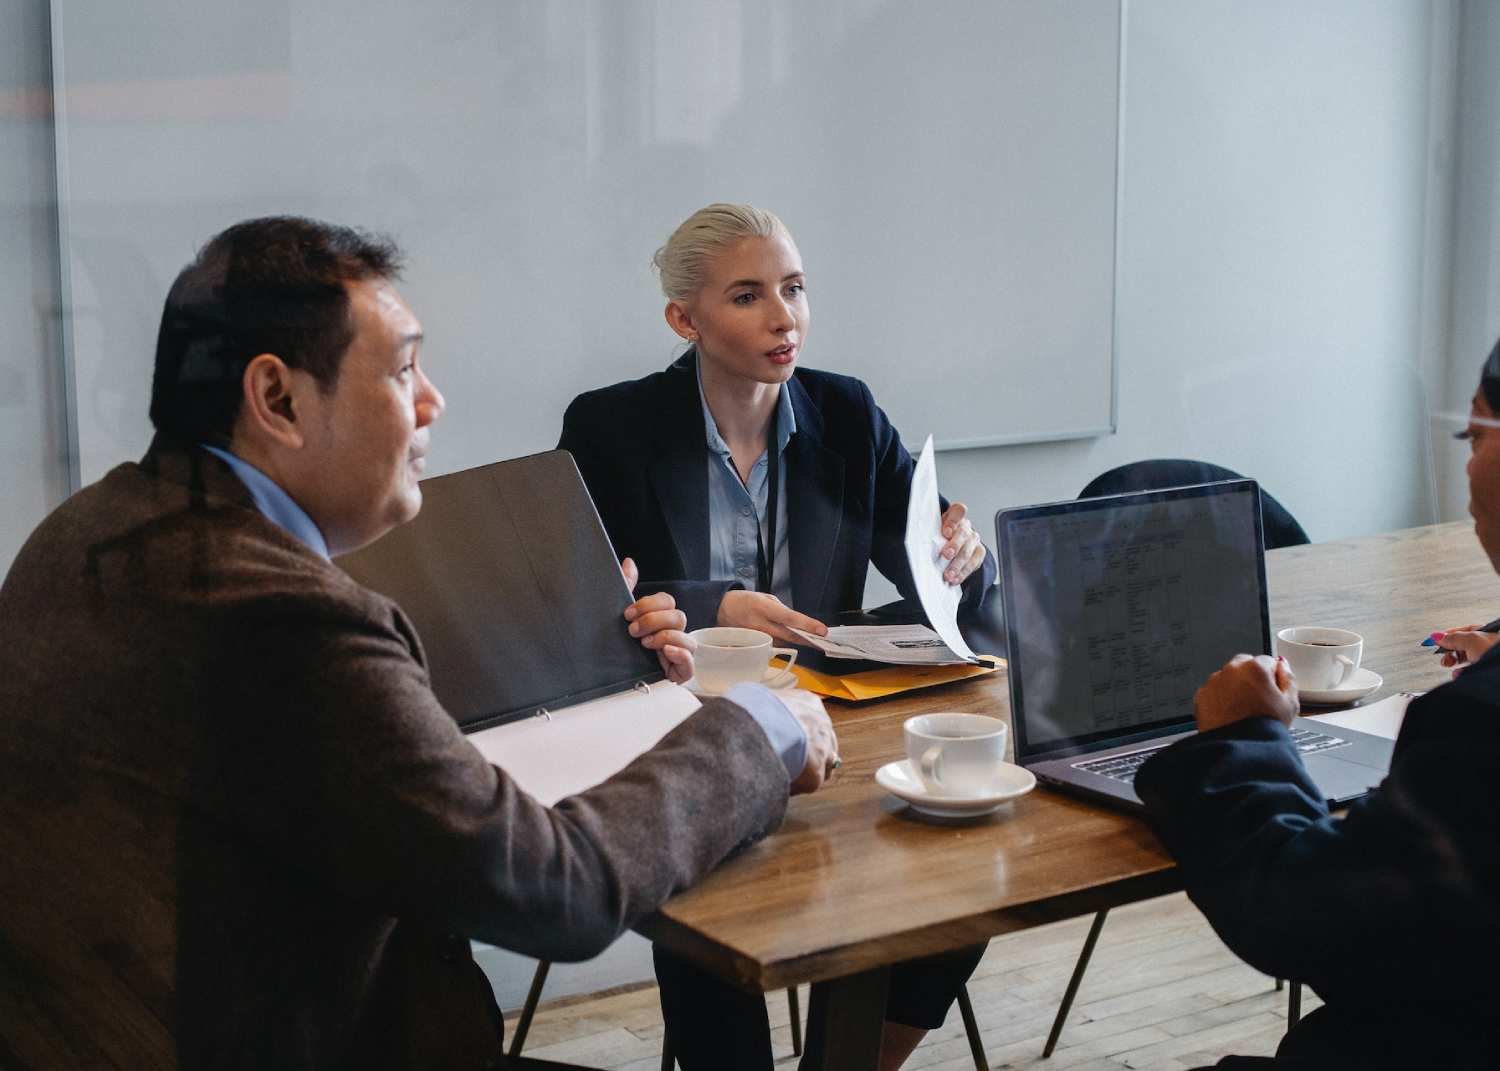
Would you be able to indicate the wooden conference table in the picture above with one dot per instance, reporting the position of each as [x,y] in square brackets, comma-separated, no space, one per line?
[853,882]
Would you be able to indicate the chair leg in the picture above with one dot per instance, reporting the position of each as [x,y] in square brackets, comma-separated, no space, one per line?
[523,1024]
[1280,984]
[1072,990]
[971,1027]
[1294,1005]
[796,1016]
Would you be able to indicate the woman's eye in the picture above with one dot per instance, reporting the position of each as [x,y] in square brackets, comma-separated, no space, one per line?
[796,288]
[744,299]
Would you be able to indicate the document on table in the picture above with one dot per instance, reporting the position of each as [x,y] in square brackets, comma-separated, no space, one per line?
[901,645]
[560,754]
[1378,719]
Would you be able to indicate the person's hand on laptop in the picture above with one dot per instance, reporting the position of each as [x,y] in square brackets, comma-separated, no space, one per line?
[764,612]
[659,625]
[822,744]
[1248,686]
[964,549]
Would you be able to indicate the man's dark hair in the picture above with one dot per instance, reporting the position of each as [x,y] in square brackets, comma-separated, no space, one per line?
[1489,379]
[271,285]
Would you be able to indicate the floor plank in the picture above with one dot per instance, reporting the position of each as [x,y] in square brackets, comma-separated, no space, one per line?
[1161,994]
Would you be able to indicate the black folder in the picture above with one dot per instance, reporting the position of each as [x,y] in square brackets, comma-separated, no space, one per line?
[514,589]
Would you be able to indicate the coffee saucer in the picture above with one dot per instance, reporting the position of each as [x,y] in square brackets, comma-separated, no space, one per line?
[900,780]
[1361,683]
[774,678]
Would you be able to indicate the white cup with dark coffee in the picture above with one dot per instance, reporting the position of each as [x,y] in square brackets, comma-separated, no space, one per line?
[1322,659]
[729,656]
[955,754]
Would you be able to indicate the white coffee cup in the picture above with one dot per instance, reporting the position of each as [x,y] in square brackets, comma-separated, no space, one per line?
[729,656]
[955,754]
[1321,658]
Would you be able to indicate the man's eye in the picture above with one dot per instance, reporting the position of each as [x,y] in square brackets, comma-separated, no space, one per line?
[796,288]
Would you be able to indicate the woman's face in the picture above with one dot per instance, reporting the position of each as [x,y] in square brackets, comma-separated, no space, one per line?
[750,317]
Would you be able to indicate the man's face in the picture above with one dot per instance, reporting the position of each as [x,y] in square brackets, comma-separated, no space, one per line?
[1484,478]
[366,441]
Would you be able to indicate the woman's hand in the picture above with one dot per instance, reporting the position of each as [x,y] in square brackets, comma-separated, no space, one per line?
[964,549]
[766,613]
[658,624]
[1463,646]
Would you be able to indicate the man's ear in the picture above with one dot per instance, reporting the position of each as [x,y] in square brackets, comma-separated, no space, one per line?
[269,408]
[681,321]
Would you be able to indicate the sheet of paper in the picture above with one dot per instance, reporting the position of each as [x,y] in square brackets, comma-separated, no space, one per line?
[584,745]
[924,543]
[1378,719]
[901,645]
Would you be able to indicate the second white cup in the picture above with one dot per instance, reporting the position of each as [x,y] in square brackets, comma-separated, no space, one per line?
[1321,658]
[729,656]
[955,754]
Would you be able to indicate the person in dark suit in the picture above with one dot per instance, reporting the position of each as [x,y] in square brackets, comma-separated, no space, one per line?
[1392,913]
[757,492]
[679,467]
[238,828]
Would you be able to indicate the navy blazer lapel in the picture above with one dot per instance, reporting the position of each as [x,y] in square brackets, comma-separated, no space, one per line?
[679,471]
[814,503]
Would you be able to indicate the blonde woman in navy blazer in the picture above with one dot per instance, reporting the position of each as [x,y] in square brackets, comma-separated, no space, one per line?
[679,465]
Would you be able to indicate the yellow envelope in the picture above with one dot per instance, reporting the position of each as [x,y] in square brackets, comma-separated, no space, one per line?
[875,683]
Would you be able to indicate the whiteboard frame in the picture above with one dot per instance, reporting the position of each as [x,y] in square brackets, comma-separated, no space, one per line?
[65,261]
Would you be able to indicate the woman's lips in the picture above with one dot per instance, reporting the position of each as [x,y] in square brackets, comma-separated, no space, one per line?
[782,355]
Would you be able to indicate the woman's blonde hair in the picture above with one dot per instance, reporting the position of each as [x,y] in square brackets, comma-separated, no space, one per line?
[682,263]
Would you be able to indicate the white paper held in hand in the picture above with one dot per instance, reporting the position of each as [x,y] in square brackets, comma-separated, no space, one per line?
[924,543]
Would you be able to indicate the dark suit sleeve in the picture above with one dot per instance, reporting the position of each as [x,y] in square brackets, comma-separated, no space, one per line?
[893,471]
[348,764]
[1353,906]
[598,463]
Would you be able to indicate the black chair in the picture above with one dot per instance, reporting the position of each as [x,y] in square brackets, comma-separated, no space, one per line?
[1279,529]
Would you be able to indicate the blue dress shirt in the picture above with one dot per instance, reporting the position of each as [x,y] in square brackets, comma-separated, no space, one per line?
[275,505]
[737,511]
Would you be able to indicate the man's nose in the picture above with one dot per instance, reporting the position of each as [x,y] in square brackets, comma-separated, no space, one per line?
[429,403]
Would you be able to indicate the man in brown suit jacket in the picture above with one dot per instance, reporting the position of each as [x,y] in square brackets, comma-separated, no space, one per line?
[236,827]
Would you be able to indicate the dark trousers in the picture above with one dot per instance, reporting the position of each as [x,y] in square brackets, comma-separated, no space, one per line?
[713,1025]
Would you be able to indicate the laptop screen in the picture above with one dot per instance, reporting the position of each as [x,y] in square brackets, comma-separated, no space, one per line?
[1117,609]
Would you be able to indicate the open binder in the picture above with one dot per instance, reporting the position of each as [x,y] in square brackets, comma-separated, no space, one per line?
[517,596]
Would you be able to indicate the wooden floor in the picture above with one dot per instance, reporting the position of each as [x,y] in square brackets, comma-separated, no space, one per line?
[1162,993]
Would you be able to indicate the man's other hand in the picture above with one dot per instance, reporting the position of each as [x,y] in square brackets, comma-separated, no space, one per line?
[660,626]
[766,613]
[822,745]
[1248,686]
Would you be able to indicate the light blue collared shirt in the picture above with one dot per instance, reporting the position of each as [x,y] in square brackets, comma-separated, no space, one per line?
[275,505]
[736,511]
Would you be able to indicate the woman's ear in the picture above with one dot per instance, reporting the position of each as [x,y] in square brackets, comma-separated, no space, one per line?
[681,321]
[268,409]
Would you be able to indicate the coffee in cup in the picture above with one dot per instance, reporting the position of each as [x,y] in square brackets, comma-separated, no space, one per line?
[729,656]
[955,754]
[1321,659]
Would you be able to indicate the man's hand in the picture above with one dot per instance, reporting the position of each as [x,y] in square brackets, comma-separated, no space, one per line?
[1247,687]
[1463,646]
[766,613]
[658,624]
[822,745]
[964,549]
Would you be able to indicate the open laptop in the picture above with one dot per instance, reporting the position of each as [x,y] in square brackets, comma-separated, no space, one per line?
[510,579]
[1117,609]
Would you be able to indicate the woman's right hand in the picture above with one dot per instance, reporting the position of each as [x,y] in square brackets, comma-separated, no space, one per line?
[766,613]
[1463,646]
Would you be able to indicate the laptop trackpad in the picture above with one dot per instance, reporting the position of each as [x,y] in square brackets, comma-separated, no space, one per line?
[1341,781]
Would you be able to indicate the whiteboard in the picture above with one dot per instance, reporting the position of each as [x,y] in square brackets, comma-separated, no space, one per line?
[947,169]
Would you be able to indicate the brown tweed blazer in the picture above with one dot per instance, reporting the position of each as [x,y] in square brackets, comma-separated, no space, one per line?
[237,829]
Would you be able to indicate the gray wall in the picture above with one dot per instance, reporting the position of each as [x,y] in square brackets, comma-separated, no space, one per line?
[33,468]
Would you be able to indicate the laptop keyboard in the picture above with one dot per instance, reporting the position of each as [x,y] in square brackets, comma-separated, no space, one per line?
[1123,767]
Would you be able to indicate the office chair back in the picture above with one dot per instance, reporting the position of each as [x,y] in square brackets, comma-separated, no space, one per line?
[1281,528]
